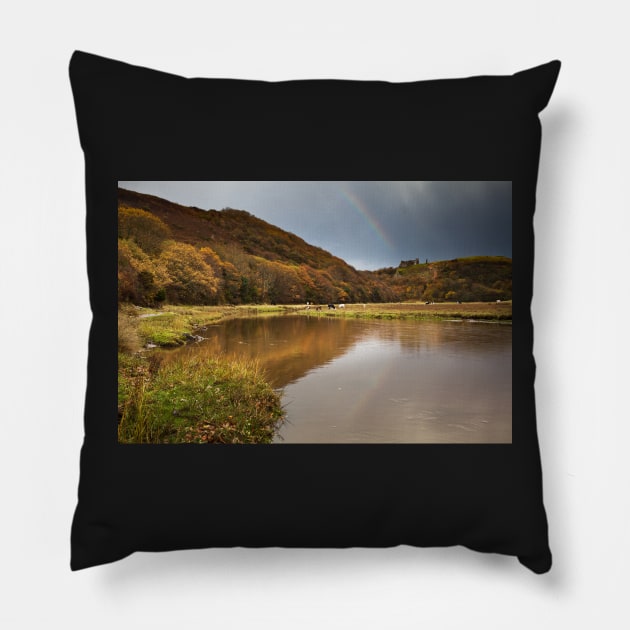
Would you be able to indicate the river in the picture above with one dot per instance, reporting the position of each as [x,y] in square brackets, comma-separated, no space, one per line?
[374,381]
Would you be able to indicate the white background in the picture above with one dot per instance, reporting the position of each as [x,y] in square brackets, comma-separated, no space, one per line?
[579,312]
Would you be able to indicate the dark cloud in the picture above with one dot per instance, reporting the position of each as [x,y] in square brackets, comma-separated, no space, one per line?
[368,224]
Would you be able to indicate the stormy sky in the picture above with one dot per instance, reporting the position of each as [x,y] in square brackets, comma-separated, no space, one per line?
[369,224]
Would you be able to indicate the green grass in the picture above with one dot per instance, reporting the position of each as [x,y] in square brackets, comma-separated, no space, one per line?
[195,401]
[169,328]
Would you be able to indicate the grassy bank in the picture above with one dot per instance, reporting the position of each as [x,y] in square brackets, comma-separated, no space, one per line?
[195,401]
[501,311]
[172,326]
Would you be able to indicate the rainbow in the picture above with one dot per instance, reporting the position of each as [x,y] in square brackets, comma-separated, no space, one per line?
[360,206]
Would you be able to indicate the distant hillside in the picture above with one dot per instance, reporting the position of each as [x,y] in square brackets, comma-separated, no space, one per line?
[473,279]
[182,255]
[169,252]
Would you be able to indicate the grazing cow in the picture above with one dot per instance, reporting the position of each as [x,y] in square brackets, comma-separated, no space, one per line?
[331,306]
[342,306]
[318,308]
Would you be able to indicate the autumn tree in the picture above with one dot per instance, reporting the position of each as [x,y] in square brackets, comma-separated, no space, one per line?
[143,228]
[287,288]
[191,279]
[307,284]
[212,259]
[141,278]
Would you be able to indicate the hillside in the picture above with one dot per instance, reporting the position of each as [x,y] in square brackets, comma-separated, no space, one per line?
[182,255]
[169,252]
[473,279]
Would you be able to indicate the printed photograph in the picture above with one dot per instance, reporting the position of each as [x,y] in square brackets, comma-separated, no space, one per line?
[314,312]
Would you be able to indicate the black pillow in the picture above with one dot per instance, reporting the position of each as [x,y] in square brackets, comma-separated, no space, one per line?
[137,124]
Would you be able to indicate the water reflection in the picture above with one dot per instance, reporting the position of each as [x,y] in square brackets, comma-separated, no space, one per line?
[348,381]
[287,347]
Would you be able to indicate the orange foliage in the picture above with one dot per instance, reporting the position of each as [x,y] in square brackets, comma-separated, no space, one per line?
[140,277]
[191,278]
[147,231]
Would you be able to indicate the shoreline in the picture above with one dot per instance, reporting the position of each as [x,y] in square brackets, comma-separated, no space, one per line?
[175,325]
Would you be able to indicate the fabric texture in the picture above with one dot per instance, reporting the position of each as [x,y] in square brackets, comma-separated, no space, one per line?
[141,124]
